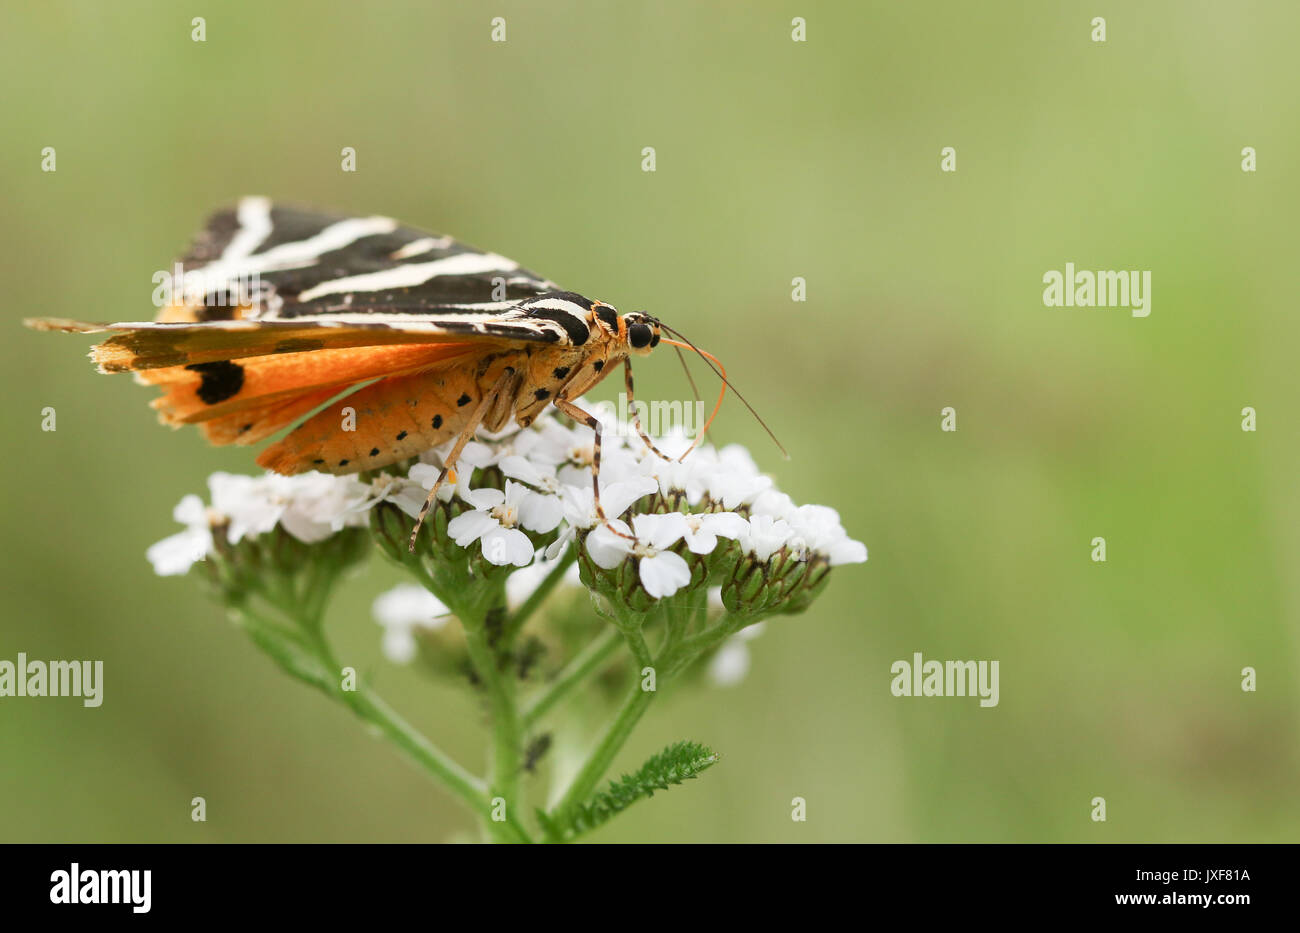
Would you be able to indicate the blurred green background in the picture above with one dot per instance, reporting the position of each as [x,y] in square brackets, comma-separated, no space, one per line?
[775,159]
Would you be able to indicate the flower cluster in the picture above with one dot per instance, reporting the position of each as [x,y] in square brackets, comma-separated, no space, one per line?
[672,570]
[527,491]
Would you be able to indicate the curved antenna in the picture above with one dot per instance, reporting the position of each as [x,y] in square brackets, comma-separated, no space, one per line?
[695,390]
[716,365]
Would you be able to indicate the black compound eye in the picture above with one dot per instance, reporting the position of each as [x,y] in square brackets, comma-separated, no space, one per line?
[655,341]
[639,335]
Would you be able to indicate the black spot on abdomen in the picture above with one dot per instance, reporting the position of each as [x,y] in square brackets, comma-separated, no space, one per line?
[218,381]
[463,400]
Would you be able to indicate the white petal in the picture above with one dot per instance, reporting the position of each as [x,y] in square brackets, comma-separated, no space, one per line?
[502,546]
[408,604]
[475,455]
[750,632]
[426,475]
[774,503]
[737,459]
[177,554]
[608,550]
[725,524]
[730,665]
[558,546]
[847,551]
[191,511]
[468,527]
[540,513]
[664,574]
[517,467]
[660,531]
[486,498]
[617,498]
[410,499]
[399,645]
[765,536]
[304,529]
[702,541]
[734,490]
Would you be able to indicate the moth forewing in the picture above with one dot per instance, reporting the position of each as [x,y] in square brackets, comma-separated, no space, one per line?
[276,310]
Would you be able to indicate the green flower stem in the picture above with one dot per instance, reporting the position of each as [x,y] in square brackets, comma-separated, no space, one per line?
[500,688]
[473,791]
[629,623]
[372,709]
[521,615]
[585,781]
[584,663]
[689,648]
[676,652]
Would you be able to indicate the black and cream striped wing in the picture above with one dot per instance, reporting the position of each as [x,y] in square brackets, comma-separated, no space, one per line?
[303,264]
[267,279]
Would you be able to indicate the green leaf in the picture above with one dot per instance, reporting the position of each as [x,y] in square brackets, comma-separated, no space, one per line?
[678,762]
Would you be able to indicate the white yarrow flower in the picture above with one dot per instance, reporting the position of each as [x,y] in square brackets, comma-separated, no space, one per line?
[662,572]
[765,536]
[703,530]
[402,610]
[495,518]
[730,664]
[177,554]
[579,507]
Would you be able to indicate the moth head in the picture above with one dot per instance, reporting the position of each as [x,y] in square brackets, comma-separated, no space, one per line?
[641,330]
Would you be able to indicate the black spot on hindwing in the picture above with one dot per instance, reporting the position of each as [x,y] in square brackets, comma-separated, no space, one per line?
[218,381]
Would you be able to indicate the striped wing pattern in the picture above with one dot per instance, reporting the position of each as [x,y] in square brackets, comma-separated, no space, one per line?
[369,271]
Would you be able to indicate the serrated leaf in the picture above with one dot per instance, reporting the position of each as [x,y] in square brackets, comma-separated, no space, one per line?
[677,763]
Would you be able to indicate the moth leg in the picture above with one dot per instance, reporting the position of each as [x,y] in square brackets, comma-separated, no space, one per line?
[449,469]
[582,417]
[636,412]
